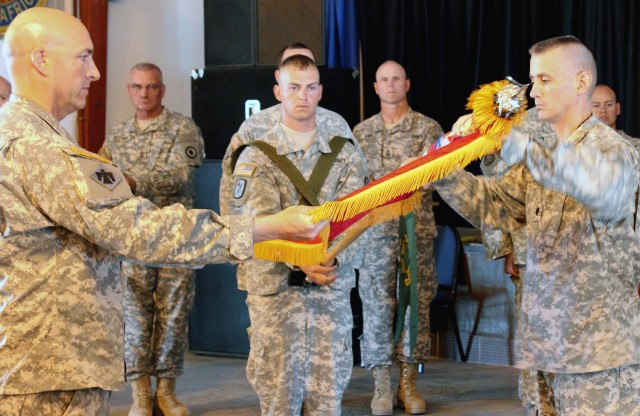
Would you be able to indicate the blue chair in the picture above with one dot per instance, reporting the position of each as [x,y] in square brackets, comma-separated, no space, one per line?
[448,254]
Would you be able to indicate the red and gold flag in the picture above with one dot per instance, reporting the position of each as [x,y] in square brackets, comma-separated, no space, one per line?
[496,108]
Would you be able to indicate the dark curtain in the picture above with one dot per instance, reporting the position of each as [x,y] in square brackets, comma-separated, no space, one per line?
[450,47]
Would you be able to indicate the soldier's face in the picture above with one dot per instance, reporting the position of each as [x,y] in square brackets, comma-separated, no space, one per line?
[391,83]
[299,92]
[605,106]
[555,84]
[72,71]
[146,90]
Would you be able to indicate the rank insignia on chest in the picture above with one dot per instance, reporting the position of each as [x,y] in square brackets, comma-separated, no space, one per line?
[488,159]
[239,188]
[106,176]
[245,169]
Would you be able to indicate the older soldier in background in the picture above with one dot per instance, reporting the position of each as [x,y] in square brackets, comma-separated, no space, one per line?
[262,122]
[300,360]
[388,139]
[160,150]
[5,90]
[67,215]
[574,190]
[605,106]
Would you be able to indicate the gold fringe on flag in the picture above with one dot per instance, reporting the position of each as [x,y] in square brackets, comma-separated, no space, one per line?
[496,107]
[308,253]
[299,253]
[491,126]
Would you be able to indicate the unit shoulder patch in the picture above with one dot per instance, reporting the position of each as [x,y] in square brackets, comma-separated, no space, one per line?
[106,176]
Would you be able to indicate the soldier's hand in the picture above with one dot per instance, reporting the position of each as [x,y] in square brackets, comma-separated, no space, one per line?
[292,223]
[510,267]
[131,182]
[321,274]
[463,125]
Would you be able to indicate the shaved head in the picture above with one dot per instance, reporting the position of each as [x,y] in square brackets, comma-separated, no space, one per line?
[49,55]
[575,54]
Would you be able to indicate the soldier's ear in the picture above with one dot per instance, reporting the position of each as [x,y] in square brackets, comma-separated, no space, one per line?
[40,60]
[277,92]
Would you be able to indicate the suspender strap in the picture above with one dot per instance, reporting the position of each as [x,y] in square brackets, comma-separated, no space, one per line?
[325,162]
[309,190]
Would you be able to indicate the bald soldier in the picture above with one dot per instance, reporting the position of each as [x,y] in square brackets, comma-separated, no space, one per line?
[574,191]
[605,106]
[68,215]
[388,139]
[5,90]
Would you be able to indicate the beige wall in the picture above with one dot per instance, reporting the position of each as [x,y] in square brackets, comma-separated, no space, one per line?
[168,33]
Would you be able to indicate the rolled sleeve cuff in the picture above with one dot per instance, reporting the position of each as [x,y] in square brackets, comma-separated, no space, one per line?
[240,237]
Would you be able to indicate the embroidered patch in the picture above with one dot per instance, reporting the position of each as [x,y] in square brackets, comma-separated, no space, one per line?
[191,152]
[489,159]
[239,188]
[106,177]
[245,169]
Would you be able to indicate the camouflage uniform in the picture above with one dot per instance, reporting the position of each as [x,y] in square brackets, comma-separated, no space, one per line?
[162,159]
[635,142]
[262,123]
[65,216]
[498,244]
[580,310]
[300,355]
[385,150]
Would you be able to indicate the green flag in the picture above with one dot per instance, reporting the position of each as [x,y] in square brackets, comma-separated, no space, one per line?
[407,282]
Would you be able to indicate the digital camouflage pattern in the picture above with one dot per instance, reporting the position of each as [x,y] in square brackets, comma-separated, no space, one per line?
[162,159]
[300,337]
[94,402]
[66,216]
[385,150]
[261,123]
[579,298]
[608,392]
[301,352]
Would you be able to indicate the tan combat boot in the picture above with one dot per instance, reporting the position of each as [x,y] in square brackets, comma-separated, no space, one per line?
[142,399]
[408,395]
[382,403]
[166,403]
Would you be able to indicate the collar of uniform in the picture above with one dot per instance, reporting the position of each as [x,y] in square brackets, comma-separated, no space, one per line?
[158,123]
[583,129]
[284,146]
[404,125]
[43,114]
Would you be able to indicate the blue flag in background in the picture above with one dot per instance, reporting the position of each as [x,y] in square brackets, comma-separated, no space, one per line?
[341,34]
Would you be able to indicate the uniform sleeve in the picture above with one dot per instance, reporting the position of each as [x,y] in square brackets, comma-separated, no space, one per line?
[186,154]
[602,174]
[243,135]
[433,131]
[497,203]
[89,197]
